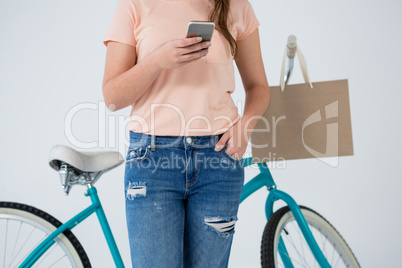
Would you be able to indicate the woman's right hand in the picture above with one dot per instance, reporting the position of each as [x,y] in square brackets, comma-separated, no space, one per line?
[178,52]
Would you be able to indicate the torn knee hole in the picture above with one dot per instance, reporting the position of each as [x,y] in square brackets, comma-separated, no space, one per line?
[223,225]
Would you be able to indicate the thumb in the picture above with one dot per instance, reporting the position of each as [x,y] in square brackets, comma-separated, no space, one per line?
[219,145]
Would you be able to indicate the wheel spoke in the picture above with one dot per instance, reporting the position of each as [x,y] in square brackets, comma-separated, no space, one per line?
[5,246]
[294,246]
[336,264]
[46,254]
[33,248]
[323,244]
[25,229]
[313,231]
[333,254]
[58,260]
[301,258]
[315,234]
[23,244]
[301,236]
[16,241]
[293,259]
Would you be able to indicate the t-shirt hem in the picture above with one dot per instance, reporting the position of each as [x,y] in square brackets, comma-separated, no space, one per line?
[105,41]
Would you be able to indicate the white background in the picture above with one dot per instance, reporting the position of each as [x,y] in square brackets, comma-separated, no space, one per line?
[52,58]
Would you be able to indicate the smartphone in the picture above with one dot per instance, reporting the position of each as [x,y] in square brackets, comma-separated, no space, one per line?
[205,29]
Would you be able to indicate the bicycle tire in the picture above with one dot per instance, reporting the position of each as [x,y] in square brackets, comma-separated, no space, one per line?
[282,223]
[27,216]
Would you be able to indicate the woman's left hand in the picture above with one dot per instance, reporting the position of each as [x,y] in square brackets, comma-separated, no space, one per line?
[237,140]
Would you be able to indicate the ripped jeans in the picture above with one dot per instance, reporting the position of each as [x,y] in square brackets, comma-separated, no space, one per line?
[182,199]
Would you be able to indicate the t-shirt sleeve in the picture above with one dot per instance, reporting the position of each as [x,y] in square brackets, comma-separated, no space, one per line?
[248,21]
[123,24]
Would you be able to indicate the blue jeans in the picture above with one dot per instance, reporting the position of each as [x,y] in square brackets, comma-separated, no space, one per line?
[182,199]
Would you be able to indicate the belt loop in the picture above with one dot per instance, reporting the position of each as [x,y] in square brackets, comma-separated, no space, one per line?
[216,139]
[153,138]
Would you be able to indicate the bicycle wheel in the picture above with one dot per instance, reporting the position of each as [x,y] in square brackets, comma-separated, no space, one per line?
[282,223]
[24,227]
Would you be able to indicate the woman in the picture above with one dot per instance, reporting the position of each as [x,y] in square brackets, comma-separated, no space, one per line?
[184,170]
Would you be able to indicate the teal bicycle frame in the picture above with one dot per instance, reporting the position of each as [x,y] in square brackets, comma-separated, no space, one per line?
[262,179]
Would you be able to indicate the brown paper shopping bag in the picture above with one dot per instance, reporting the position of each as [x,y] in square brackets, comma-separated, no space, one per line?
[305,121]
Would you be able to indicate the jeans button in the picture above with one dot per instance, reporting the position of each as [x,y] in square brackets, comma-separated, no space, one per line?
[188,140]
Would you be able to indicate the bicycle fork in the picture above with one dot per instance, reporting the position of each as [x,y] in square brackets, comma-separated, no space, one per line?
[275,195]
[265,179]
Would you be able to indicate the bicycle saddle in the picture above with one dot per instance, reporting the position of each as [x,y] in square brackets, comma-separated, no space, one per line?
[84,161]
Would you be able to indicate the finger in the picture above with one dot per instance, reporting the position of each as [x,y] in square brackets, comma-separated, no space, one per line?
[193,59]
[194,55]
[225,137]
[189,41]
[236,156]
[198,47]
[229,148]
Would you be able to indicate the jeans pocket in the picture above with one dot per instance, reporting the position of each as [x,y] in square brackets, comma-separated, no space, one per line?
[137,152]
[228,155]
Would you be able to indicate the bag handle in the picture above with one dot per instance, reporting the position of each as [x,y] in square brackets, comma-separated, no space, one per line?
[290,52]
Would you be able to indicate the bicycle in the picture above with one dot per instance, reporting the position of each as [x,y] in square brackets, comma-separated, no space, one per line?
[52,238]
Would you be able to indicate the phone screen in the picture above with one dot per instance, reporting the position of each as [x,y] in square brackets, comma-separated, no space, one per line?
[205,29]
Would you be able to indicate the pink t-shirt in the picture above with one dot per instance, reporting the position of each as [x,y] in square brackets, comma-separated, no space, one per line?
[195,99]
